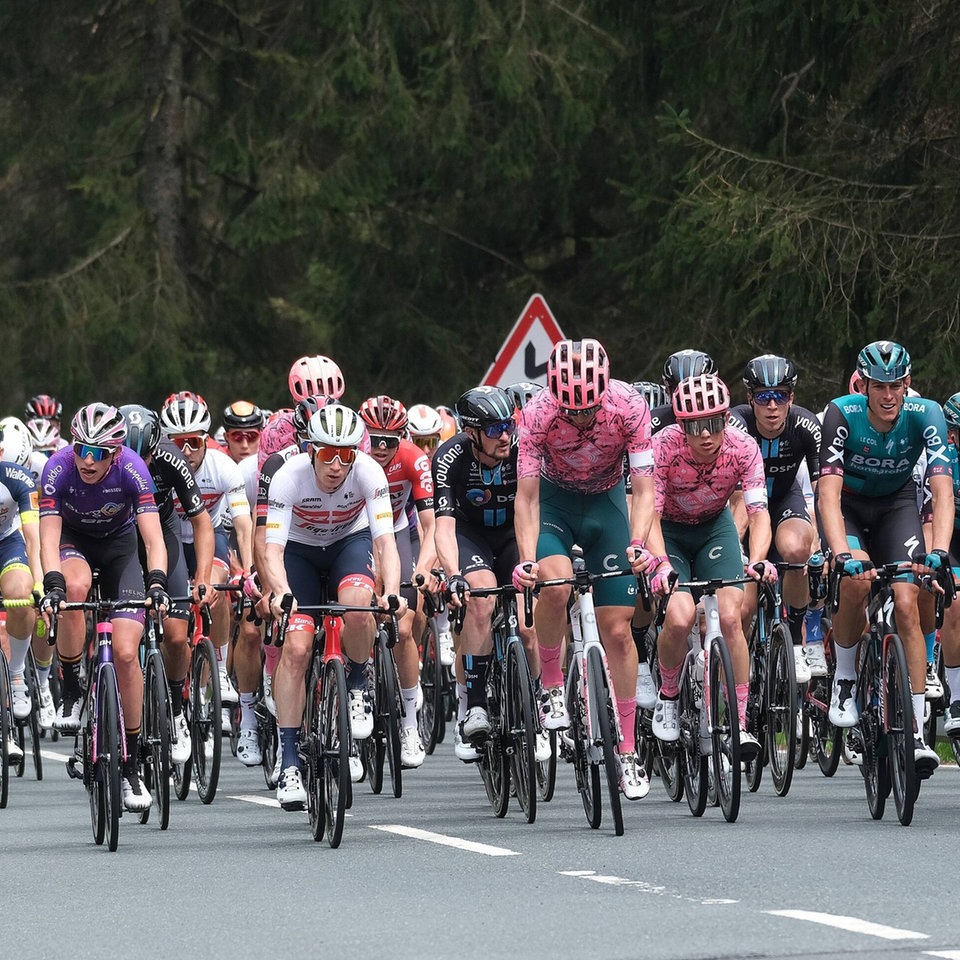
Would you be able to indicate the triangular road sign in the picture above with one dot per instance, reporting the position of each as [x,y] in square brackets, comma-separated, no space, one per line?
[524,353]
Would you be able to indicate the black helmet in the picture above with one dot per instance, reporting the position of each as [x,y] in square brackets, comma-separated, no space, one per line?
[522,392]
[686,363]
[769,372]
[243,415]
[143,429]
[653,393]
[305,409]
[44,407]
[483,405]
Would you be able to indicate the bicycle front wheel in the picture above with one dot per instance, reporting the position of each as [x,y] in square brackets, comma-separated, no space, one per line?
[35,730]
[898,704]
[724,729]
[521,730]
[757,712]
[335,743]
[605,701]
[156,738]
[6,728]
[875,764]
[586,773]
[105,797]
[311,748]
[694,761]
[781,709]
[390,707]
[206,729]
[432,715]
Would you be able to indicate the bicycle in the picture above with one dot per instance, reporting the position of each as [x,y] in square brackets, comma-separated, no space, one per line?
[383,684]
[157,723]
[508,755]
[432,718]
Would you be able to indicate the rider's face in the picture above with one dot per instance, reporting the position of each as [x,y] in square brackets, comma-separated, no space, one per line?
[884,400]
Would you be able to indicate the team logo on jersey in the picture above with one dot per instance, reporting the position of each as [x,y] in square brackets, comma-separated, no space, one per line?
[111,509]
[478,497]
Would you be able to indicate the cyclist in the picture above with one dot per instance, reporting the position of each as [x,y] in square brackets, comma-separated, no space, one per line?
[573,437]
[787,435]
[522,393]
[678,366]
[408,475]
[172,477]
[316,376]
[329,516]
[242,423]
[44,407]
[96,497]
[475,475]
[950,631]
[700,460]
[867,507]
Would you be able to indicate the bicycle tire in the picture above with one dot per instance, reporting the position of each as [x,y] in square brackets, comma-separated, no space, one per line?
[391,703]
[181,772]
[757,710]
[155,738]
[724,730]
[106,779]
[234,735]
[605,701]
[36,733]
[781,703]
[874,766]
[206,725]
[547,770]
[335,746]
[374,748]
[587,774]
[521,726]
[899,729]
[311,748]
[827,738]
[802,736]
[432,715]
[6,729]
[269,743]
[668,759]
[694,761]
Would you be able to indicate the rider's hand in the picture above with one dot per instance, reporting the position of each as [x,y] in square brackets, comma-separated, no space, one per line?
[937,560]
[276,608]
[640,559]
[850,566]
[661,584]
[525,575]
[457,589]
[393,603]
[157,598]
[50,603]
[210,597]
[763,571]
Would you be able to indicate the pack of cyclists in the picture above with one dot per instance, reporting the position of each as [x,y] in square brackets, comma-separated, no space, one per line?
[380,505]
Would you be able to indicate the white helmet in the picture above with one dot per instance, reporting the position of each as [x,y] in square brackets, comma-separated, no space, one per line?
[43,434]
[423,421]
[15,444]
[184,412]
[335,426]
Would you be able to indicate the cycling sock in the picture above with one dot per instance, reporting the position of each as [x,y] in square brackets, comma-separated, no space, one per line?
[43,670]
[176,696]
[475,672]
[288,746]
[952,675]
[409,695]
[70,670]
[743,693]
[18,654]
[221,657]
[627,712]
[931,641]
[795,617]
[461,701]
[640,641]
[669,681]
[846,662]
[248,719]
[271,657]
[133,748]
[356,675]
[813,625]
[918,701]
[550,671]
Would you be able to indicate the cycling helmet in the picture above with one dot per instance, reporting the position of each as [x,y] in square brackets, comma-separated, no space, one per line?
[305,409]
[184,412]
[770,372]
[423,421]
[383,413]
[951,411]
[686,363]
[15,444]
[521,393]
[655,394]
[99,425]
[483,405]
[578,372]
[703,396]
[278,434]
[45,407]
[43,434]
[856,382]
[315,376]
[448,425]
[143,429]
[335,426]
[883,360]
[243,415]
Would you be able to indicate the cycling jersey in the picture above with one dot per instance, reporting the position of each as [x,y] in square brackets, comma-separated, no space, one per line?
[18,498]
[97,510]
[221,489]
[661,417]
[877,464]
[470,492]
[408,474]
[688,491]
[264,478]
[300,511]
[587,459]
[171,474]
[798,441]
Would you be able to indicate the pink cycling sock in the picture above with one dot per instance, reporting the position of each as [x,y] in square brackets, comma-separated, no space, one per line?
[669,681]
[743,692]
[627,711]
[271,657]
[551,675]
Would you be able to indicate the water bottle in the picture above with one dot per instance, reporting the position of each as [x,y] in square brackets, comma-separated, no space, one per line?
[815,578]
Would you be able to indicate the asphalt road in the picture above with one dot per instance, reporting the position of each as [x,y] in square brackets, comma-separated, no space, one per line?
[434,874]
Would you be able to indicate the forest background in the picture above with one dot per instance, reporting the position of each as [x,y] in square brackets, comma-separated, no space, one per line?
[193,193]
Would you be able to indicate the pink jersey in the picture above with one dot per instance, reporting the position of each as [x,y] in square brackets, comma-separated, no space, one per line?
[691,492]
[588,460]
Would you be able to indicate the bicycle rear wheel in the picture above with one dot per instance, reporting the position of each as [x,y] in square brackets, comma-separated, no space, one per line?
[335,745]
[802,732]
[757,711]
[6,729]
[781,703]
[547,770]
[693,761]
[521,730]
[827,739]
[181,772]
[874,766]
[312,750]
[36,732]
[587,774]
[206,729]
[105,797]
[899,724]
[390,705]
[432,714]
[724,729]
[605,701]
[155,738]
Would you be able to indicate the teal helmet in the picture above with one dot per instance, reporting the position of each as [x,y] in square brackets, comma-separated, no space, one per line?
[883,360]
[951,411]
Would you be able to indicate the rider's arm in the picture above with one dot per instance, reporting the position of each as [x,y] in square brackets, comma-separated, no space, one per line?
[148,523]
[448,551]
[644,522]
[51,527]
[428,551]
[388,562]
[941,490]
[243,527]
[760,535]
[31,537]
[203,548]
[526,517]
[831,517]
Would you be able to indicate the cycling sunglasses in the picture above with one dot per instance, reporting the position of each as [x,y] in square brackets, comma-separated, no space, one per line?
[84,450]
[779,397]
[427,443]
[496,430]
[384,441]
[586,412]
[190,441]
[693,428]
[325,454]
[243,436]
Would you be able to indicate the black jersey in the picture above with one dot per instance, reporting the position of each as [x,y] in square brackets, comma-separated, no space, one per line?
[171,474]
[470,492]
[661,417]
[783,455]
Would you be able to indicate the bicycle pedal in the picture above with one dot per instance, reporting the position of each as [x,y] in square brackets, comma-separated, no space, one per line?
[72,764]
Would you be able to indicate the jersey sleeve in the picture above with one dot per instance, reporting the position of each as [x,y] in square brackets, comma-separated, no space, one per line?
[182,480]
[23,490]
[136,478]
[636,420]
[532,434]
[235,490]
[279,506]
[376,494]
[753,479]
[935,435]
[833,441]
[444,459]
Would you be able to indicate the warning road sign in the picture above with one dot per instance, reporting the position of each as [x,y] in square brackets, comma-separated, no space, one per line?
[524,353]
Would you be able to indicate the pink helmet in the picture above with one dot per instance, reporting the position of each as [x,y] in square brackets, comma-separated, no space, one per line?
[578,372]
[856,382]
[703,396]
[99,425]
[315,376]
[278,433]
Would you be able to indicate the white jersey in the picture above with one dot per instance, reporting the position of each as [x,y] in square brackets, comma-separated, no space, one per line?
[251,474]
[299,510]
[221,488]
[36,462]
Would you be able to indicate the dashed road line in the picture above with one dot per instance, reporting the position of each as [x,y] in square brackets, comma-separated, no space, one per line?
[642,885]
[852,924]
[458,842]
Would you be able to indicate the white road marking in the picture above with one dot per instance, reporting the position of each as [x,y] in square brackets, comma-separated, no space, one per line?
[50,755]
[641,885]
[262,801]
[853,924]
[446,841]
[944,954]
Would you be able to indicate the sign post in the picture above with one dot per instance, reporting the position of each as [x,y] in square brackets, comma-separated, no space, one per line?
[523,356]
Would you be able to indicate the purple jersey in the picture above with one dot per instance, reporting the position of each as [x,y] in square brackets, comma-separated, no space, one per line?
[101,509]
